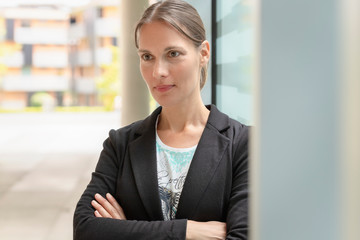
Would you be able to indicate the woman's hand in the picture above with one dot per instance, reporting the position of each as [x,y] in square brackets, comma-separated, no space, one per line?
[107,208]
[205,230]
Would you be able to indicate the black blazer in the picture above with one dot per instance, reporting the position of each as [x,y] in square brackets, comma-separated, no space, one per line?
[215,189]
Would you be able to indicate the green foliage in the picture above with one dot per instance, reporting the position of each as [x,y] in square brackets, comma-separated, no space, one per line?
[80,109]
[108,84]
[3,69]
[39,98]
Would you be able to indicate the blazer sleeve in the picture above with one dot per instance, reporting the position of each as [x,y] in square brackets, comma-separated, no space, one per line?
[88,227]
[237,215]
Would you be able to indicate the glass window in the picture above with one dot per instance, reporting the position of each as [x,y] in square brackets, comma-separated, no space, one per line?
[234,46]
[10,29]
[27,50]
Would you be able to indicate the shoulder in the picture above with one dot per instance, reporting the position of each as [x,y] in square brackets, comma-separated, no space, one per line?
[239,130]
[230,128]
[132,131]
[235,132]
[238,135]
[126,131]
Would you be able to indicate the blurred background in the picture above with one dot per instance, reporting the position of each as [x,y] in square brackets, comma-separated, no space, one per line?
[59,55]
[69,73]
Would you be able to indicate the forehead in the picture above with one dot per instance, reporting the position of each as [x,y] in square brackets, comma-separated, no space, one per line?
[159,33]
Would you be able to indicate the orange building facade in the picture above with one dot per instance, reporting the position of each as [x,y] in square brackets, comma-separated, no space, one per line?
[57,53]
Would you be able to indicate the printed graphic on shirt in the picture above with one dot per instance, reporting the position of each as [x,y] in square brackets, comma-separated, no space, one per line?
[172,167]
[169,202]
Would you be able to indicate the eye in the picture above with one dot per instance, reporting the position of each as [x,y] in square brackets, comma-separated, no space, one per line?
[174,54]
[146,57]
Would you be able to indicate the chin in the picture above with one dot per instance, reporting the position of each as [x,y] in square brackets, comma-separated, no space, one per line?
[162,100]
[166,103]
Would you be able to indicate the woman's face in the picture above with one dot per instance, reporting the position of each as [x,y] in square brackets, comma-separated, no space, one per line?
[170,64]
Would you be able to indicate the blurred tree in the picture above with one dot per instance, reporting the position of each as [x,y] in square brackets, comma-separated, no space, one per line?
[108,84]
[40,99]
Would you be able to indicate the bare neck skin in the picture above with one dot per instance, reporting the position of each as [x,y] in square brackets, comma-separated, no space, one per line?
[182,126]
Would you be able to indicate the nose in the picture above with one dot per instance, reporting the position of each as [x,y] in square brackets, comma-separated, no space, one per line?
[160,69]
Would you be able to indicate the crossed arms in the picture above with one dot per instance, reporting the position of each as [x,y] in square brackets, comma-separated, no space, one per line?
[100,216]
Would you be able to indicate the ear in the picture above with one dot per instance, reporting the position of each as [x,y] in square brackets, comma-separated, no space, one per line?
[204,53]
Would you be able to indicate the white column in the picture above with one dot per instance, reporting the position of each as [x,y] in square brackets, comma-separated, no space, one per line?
[135,95]
[305,162]
[351,120]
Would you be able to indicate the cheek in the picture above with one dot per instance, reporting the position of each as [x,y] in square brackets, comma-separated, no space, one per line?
[146,73]
[188,71]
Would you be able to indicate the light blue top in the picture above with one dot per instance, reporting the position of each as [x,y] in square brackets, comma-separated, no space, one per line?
[172,167]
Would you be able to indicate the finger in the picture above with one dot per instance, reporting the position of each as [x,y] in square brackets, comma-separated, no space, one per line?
[102,211]
[110,209]
[116,205]
[97,214]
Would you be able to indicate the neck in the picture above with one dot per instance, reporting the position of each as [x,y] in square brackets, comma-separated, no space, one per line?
[178,118]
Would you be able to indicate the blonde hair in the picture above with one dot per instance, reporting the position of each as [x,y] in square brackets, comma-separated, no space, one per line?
[183,17]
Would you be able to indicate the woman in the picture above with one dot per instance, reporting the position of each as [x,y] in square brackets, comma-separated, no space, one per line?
[182,172]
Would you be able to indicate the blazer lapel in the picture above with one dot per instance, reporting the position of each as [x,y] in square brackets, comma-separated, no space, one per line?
[204,163]
[142,153]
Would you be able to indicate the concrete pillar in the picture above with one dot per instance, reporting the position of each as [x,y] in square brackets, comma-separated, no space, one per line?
[305,162]
[350,196]
[135,95]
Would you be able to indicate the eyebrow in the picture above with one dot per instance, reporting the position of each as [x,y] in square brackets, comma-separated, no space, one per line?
[143,50]
[165,50]
[174,47]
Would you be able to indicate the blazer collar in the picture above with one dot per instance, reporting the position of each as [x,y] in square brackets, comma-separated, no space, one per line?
[203,166]
[217,119]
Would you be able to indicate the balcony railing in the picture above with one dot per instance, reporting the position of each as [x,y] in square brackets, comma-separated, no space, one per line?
[76,31]
[84,57]
[103,56]
[15,60]
[107,27]
[25,35]
[55,59]
[85,85]
[33,83]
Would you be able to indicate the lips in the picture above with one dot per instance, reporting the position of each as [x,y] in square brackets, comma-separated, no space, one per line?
[164,88]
